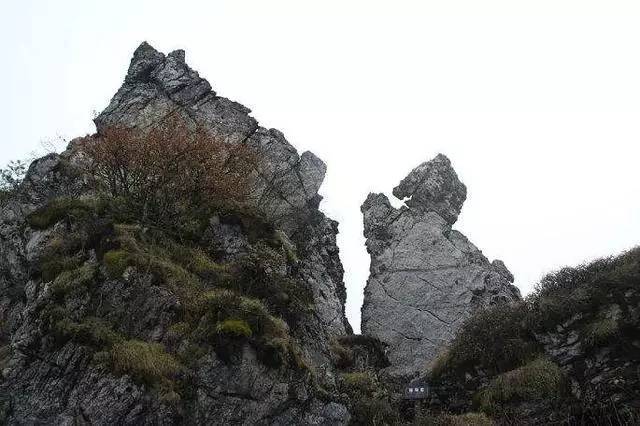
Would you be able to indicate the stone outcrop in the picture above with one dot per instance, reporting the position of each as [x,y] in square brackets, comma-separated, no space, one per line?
[425,277]
[42,383]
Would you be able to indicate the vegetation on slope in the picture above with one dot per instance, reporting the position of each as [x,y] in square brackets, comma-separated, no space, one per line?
[596,302]
[142,230]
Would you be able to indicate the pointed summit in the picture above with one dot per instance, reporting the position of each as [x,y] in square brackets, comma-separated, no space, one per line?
[434,186]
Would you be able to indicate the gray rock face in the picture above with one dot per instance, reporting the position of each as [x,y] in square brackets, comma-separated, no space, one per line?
[159,86]
[425,278]
[433,186]
[286,184]
[42,383]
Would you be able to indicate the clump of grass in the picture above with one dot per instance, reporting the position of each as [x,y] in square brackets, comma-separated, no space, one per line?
[180,329]
[561,295]
[69,281]
[342,356]
[220,305]
[440,364]
[358,384]
[539,379]
[599,332]
[495,339]
[373,411]
[145,362]
[54,266]
[288,247]
[196,261]
[91,331]
[467,419]
[60,208]
[115,262]
[234,328]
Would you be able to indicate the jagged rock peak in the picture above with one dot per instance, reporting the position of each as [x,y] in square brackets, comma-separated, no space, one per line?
[425,278]
[434,186]
[158,86]
[47,380]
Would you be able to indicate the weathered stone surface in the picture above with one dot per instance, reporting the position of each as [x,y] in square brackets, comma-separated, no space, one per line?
[42,383]
[159,86]
[433,186]
[425,278]
[286,183]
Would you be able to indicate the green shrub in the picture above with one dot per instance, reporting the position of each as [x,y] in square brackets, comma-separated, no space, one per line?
[180,329]
[195,260]
[373,412]
[539,379]
[288,247]
[115,262]
[221,305]
[145,362]
[495,339]
[561,295]
[599,332]
[440,365]
[69,281]
[54,266]
[92,331]
[467,419]
[342,356]
[60,208]
[263,275]
[274,352]
[358,384]
[234,328]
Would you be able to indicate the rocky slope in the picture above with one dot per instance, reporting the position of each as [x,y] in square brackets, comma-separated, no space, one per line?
[425,277]
[103,322]
[569,354]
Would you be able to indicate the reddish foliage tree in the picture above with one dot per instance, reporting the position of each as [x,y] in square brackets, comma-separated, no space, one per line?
[171,168]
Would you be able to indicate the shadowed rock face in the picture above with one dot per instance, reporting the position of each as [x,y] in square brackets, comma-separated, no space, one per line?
[425,278]
[41,383]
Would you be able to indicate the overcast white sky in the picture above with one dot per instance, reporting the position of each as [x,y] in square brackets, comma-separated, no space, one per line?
[536,103]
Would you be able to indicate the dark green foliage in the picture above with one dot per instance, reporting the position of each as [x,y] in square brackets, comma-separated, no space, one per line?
[61,208]
[495,340]
[583,289]
[234,328]
[373,412]
[74,280]
[467,419]
[263,275]
[91,331]
[539,379]
[600,332]
[502,338]
[145,362]
[341,355]
[359,383]
[53,267]
[368,399]
[115,262]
